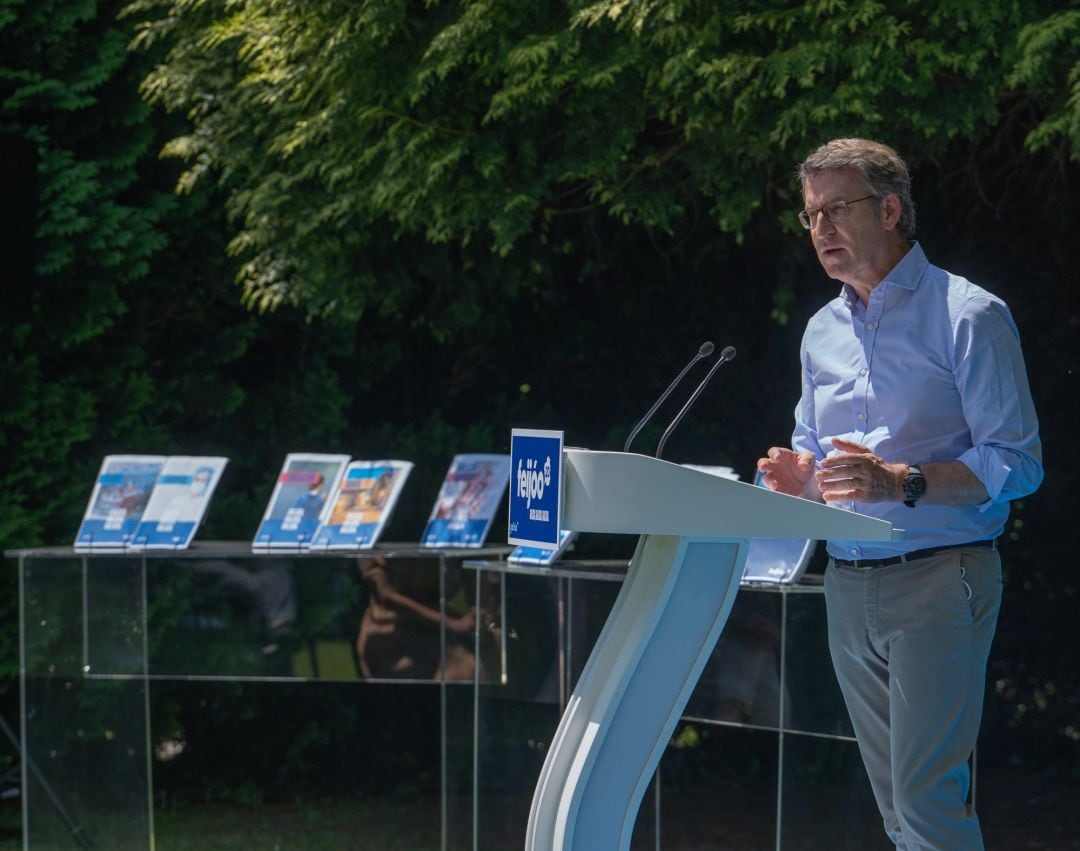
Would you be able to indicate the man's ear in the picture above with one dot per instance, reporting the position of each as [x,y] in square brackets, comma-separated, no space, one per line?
[890,211]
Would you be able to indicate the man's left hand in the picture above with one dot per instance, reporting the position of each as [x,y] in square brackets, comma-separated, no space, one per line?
[858,475]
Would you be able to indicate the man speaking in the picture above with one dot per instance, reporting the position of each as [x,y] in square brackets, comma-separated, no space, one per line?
[916,409]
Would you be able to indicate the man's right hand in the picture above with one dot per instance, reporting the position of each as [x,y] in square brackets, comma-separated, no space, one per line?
[789,472]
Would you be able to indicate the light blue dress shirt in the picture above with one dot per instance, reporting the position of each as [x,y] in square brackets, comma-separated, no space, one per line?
[929,370]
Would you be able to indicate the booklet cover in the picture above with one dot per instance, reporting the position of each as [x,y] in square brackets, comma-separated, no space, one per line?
[468,499]
[300,501]
[362,505]
[123,487]
[542,555]
[178,502]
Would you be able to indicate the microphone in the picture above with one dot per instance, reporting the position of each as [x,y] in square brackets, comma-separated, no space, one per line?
[703,352]
[726,355]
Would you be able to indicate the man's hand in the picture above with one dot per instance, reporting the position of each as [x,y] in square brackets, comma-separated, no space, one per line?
[857,474]
[789,472]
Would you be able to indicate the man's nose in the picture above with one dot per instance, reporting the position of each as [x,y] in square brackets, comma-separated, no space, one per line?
[823,226]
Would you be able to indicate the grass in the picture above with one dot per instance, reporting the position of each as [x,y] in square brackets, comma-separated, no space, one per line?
[370,824]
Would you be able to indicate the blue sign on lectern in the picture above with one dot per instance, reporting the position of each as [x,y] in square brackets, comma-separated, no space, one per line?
[535,487]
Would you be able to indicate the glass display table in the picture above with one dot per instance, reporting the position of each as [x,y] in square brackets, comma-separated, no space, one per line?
[99,632]
[764,756]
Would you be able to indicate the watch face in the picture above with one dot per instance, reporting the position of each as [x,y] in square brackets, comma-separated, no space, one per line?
[914,485]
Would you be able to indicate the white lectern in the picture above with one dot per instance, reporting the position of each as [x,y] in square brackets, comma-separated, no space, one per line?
[682,581]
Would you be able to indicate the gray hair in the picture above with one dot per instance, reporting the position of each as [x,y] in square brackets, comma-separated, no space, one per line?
[882,171]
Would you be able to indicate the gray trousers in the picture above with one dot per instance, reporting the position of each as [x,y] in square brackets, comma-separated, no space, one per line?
[909,643]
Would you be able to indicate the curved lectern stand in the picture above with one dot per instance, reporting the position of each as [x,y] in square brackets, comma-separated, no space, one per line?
[678,593]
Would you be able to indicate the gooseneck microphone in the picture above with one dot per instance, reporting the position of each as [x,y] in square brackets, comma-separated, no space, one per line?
[726,355]
[705,350]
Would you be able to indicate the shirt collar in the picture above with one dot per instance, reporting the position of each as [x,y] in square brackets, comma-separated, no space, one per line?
[905,274]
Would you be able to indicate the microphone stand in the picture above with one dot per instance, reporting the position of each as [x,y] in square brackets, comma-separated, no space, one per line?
[726,355]
[703,352]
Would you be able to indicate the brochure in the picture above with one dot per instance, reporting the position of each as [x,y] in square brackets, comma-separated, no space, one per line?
[722,472]
[178,502]
[123,487]
[300,501]
[468,499]
[362,505]
[542,555]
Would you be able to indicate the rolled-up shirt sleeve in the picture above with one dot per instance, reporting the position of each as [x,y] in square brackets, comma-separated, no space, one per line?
[1006,454]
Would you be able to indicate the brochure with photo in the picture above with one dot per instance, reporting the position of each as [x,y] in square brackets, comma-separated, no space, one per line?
[178,502]
[468,499]
[300,501]
[542,555]
[121,492]
[363,504]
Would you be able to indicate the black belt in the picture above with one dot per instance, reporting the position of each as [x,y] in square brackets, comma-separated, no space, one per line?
[914,554]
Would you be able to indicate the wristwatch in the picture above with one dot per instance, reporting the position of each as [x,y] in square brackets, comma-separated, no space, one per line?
[914,485]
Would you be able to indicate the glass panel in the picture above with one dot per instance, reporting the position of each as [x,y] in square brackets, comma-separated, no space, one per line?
[517,715]
[458,749]
[646,835]
[826,794]
[240,617]
[550,624]
[320,764]
[740,683]
[115,644]
[247,616]
[86,739]
[816,705]
[588,606]
[322,679]
[718,789]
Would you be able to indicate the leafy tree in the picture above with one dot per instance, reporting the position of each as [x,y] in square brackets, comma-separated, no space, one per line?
[1048,65]
[480,127]
[95,234]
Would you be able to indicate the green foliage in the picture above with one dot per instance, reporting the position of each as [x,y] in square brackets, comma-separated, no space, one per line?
[473,128]
[65,95]
[1049,66]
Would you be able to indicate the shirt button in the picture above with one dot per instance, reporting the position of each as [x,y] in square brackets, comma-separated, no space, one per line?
[863,371]
[869,326]
[854,552]
[862,417]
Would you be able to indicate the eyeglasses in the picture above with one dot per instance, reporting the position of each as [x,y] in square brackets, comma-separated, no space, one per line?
[835,212]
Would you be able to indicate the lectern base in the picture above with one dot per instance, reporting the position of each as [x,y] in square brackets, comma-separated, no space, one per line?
[658,637]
